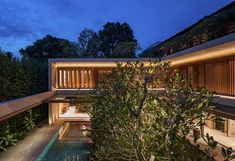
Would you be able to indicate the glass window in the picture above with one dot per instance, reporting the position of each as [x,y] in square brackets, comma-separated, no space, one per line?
[220,123]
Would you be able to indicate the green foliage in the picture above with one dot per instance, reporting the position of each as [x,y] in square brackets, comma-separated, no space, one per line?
[125,49]
[227,154]
[6,138]
[23,77]
[50,47]
[132,122]
[20,78]
[38,70]
[213,26]
[29,122]
[117,36]
[7,141]
[88,43]
[14,77]
[83,101]
[16,128]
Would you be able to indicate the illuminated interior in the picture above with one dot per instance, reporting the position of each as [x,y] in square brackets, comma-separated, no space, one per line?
[71,112]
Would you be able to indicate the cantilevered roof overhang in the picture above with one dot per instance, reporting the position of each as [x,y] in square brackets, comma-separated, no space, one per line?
[224,111]
[60,99]
[17,106]
[96,62]
[221,47]
[224,106]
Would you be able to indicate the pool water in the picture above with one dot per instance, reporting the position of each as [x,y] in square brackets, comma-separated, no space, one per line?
[68,151]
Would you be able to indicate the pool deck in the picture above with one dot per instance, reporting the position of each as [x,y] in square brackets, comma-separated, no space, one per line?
[31,147]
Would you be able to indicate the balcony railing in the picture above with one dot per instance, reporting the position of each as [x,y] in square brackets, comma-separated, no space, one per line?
[209,28]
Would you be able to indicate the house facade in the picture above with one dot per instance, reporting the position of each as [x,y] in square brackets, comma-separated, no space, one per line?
[210,64]
[69,78]
[205,52]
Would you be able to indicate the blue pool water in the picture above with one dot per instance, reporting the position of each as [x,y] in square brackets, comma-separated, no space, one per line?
[68,151]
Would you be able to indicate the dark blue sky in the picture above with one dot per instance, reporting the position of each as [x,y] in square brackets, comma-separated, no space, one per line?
[24,21]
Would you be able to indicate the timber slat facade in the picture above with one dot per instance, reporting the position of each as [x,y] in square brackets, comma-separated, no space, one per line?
[217,75]
[78,78]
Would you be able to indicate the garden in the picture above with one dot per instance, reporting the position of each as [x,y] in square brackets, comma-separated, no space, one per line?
[132,122]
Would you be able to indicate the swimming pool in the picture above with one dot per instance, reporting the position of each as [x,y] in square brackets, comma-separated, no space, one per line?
[68,151]
[70,143]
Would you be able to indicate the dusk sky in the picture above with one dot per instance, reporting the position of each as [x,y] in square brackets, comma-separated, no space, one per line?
[24,21]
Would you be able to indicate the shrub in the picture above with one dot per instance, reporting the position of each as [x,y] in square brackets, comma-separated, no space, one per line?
[130,121]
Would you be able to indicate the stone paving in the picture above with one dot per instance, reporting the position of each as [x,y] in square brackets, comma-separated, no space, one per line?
[221,137]
[31,147]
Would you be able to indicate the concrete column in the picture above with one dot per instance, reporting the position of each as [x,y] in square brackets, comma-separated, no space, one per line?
[210,122]
[53,113]
[231,127]
[50,121]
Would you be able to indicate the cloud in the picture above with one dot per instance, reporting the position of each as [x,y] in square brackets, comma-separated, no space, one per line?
[24,21]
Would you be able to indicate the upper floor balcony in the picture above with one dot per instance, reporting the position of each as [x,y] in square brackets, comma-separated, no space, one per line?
[219,24]
[82,73]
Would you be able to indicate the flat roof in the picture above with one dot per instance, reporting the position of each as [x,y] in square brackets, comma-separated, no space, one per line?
[221,47]
[224,111]
[184,31]
[101,59]
[95,62]
[224,106]
[60,99]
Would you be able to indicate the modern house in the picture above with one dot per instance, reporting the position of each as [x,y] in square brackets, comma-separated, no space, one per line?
[210,64]
[69,77]
[205,52]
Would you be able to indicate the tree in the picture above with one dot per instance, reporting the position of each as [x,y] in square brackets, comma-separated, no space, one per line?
[88,43]
[50,47]
[125,49]
[19,78]
[38,70]
[115,34]
[14,77]
[35,59]
[131,122]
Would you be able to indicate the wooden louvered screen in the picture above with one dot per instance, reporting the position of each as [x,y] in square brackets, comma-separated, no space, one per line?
[75,78]
[208,77]
[231,76]
[223,80]
[201,75]
[215,76]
